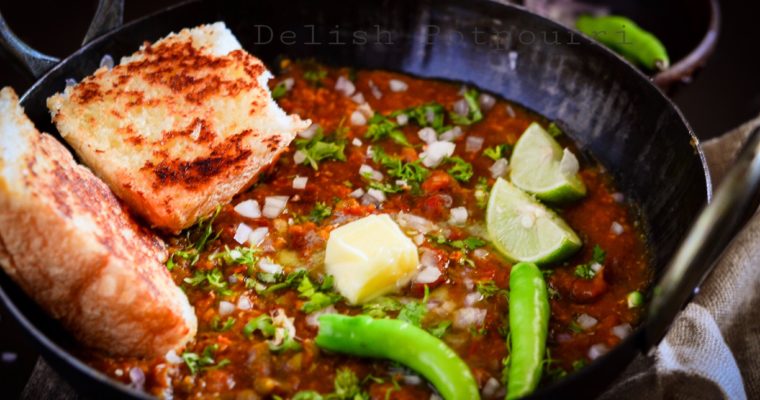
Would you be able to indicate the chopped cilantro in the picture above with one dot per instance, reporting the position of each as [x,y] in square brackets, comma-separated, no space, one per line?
[473,114]
[320,212]
[385,187]
[214,280]
[320,148]
[380,127]
[574,327]
[410,172]
[586,271]
[315,76]
[465,245]
[347,386]
[262,323]
[482,192]
[319,296]
[228,324]
[579,364]
[498,151]
[414,311]
[426,115]
[554,130]
[489,289]
[205,360]
[460,170]
[380,307]
[237,256]
[440,329]
[280,90]
[288,343]
[307,395]
[199,235]
[290,280]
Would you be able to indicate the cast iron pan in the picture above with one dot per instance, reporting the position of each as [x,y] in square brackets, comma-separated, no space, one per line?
[610,109]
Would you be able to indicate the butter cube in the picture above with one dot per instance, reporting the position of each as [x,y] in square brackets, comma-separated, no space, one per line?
[370,257]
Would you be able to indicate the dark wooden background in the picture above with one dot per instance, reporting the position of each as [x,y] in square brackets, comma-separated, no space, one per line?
[723,96]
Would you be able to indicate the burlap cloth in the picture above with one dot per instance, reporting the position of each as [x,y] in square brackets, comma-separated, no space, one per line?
[712,350]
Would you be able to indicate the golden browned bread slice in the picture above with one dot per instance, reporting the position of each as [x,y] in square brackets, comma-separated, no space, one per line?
[179,127]
[73,247]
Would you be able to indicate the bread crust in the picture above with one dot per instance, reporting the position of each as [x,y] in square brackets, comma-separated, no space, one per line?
[179,127]
[72,246]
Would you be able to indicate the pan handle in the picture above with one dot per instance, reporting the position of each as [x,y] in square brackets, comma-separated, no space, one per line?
[734,203]
[109,15]
[35,62]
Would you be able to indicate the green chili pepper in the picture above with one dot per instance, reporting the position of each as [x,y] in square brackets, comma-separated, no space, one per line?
[529,325]
[404,343]
[627,39]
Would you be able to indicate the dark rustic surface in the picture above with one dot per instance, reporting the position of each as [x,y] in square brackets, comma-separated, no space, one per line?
[724,95]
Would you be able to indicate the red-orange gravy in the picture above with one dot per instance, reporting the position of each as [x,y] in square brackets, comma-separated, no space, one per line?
[253,371]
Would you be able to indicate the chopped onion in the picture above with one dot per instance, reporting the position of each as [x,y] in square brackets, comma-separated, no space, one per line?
[369,172]
[452,134]
[402,119]
[257,236]
[436,152]
[473,144]
[274,205]
[288,83]
[244,303]
[356,142]
[299,157]
[618,197]
[491,388]
[586,321]
[472,298]
[469,316]
[461,107]
[419,239]
[568,166]
[429,259]
[430,115]
[480,253]
[447,200]
[172,357]
[458,216]
[366,110]
[71,82]
[136,378]
[370,152]
[622,331]
[357,193]
[415,222]
[596,267]
[269,267]
[106,61]
[233,279]
[512,60]
[616,228]
[499,168]
[309,132]
[358,98]
[376,93]
[196,133]
[428,135]
[397,85]
[345,86]
[299,182]
[511,111]
[248,209]
[242,233]
[486,101]
[358,119]
[226,308]
[597,351]
[378,195]
[402,183]
[428,275]
[412,380]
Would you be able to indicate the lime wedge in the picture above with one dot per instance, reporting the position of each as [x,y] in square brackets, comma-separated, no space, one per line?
[525,230]
[541,167]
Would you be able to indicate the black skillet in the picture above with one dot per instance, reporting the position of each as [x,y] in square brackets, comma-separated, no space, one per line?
[610,109]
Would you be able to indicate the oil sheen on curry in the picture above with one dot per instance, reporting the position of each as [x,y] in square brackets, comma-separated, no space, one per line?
[409,201]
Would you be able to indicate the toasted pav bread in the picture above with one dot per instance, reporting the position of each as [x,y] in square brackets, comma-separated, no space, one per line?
[179,127]
[73,247]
